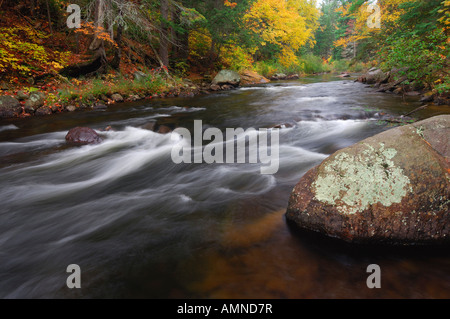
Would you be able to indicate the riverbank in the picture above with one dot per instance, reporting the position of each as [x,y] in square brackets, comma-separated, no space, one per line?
[64,95]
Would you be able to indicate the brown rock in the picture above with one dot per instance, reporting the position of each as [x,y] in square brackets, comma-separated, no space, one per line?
[83,136]
[278,76]
[214,87]
[227,87]
[391,188]
[42,111]
[117,97]
[293,77]
[251,77]
[149,126]
[34,102]
[9,107]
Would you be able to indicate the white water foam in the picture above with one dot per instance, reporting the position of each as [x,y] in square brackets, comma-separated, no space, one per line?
[8,128]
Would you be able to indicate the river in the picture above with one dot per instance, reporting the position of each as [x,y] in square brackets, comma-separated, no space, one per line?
[140,226]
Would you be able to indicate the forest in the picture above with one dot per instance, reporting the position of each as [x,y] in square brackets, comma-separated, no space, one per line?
[165,42]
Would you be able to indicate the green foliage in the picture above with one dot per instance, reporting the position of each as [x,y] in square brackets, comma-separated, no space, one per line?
[420,17]
[312,64]
[308,64]
[236,58]
[443,86]
[267,68]
[330,28]
[340,65]
[181,68]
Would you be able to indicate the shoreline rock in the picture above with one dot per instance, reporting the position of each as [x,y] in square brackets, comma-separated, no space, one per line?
[251,78]
[391,188]
[14,109]
[9,107]
[228,78]
[393,82]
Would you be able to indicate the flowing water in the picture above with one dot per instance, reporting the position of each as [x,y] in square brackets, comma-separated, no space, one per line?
[140,226]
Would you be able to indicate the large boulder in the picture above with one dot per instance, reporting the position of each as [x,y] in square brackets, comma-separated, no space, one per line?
[34,102]
[391,188]
[227,77]
[374,76]
[83,136]
[251,77]
[9,107]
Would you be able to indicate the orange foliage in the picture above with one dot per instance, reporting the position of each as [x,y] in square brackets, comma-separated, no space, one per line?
[88,28]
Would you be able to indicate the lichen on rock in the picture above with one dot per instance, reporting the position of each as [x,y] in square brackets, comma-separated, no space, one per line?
[353,183]
[393,187]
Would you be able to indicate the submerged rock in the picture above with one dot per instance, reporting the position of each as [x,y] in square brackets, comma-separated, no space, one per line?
[390,188]
[34,102]
[163,129]
[150,126]
[83,136]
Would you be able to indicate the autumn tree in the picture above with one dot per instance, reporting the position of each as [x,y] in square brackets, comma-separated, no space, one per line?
[283,26]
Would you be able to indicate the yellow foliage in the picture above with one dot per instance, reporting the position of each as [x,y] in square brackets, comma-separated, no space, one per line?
[236,57]
[199,43]
[286,23]
[21,52]
[287,58]
[445,19]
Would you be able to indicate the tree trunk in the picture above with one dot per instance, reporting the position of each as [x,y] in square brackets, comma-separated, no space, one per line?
[49,17]
[97,44]
[99,17]
[164,33]
[33,9]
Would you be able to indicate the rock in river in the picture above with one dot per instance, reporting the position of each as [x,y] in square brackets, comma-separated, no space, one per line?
[391,188]
[83,136]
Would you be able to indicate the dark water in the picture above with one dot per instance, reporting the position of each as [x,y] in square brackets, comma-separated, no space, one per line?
[140,226]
